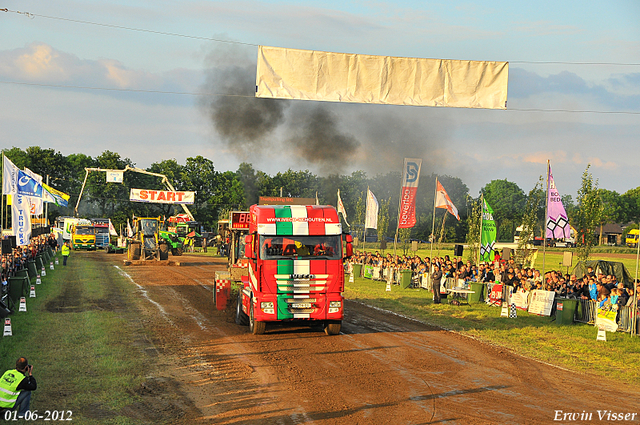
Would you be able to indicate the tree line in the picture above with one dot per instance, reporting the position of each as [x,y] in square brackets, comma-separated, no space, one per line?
[218,192]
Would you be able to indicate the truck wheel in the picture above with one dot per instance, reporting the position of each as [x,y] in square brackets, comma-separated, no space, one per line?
[241,318]
[163,250]
[180,251]
[133,252]
[256,327]
[333,328]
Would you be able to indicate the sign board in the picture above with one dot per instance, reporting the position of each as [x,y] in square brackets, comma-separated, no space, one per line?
[606,320]
[240,220]
[521,299]
[567,259]
[115,176]
[541,302]
[162,196]
[277,200]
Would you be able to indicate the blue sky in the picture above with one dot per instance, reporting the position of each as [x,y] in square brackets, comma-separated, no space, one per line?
[564,56]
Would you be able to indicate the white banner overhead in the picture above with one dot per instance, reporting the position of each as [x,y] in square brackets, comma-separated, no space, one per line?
[341,77]
[162,196]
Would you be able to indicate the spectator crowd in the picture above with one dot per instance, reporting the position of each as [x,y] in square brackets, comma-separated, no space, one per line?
[606,290]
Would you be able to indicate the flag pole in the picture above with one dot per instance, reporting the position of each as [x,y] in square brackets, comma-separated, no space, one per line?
[395,241]
[544,230]
[481,223]
[433,222]
[364,228]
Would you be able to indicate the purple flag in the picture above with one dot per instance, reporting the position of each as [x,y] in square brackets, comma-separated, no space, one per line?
[557,221]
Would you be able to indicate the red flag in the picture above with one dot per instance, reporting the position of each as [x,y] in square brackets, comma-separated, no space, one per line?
[443,201]
[410,178]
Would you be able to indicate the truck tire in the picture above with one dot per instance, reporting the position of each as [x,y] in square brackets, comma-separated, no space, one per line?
[241,318]
[256,327]
[163,250]
[333,328]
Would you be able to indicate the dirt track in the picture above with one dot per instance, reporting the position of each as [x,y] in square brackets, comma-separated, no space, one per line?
[382,368]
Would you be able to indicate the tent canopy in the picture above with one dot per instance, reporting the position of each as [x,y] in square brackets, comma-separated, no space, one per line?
[604,267]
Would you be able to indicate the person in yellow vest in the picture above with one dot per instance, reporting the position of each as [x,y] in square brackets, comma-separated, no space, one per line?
[65,253]
[16,386]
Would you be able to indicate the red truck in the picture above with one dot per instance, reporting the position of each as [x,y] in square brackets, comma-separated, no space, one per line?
[295,267]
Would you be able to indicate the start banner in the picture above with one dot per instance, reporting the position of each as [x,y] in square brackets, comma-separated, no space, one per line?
[162,196]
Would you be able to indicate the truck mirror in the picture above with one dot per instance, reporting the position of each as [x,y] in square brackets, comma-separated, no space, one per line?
[248,247]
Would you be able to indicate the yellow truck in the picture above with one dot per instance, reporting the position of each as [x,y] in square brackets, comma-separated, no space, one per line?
[83,236]
[632,238]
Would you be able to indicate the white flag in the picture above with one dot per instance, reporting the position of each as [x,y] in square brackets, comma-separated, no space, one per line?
[112,230]
[371,215]
[21,219]
[129,230]
[9,177]
[341,209]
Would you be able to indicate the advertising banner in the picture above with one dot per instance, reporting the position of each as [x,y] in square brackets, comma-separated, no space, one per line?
[488,236]
[410,179]
[162,196]
[557,221]
[541,302]
[606,319]
[21,219]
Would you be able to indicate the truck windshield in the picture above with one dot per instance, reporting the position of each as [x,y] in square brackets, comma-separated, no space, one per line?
[300,247]
[84,231]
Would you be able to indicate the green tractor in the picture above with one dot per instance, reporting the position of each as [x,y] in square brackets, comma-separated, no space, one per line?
[177,230]
[146,243]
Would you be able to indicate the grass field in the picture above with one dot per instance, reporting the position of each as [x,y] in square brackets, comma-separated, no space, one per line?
[78,333]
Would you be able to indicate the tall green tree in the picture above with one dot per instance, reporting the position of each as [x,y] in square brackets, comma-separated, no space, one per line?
[588,215]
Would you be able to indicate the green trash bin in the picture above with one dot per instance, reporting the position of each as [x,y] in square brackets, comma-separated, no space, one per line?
[39,263]
[24,273]
[17,288]
[31,268]
[565,311]
[405,278]
[357,270]
[45,258]
[478,292]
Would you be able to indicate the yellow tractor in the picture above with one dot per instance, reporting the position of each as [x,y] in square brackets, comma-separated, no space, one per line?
[145,244]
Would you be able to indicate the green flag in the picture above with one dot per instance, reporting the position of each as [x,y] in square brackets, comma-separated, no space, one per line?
[488,237]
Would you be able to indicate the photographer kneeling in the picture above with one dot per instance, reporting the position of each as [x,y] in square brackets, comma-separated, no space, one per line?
[16,386]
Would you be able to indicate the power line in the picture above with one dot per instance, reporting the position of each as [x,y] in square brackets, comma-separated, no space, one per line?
[196,37]
[122,27]
[63,86]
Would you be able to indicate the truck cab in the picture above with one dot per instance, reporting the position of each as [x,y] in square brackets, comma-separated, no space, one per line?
[83,237]
[295,267]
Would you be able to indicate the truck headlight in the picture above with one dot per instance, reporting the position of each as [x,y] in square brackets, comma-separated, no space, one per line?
[334,306]
[267,307]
